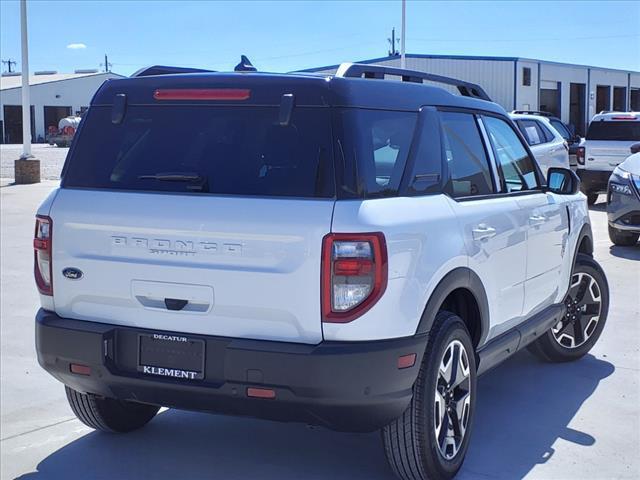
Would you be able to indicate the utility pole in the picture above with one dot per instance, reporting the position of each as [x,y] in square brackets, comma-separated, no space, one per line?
[8,63]
[392,43]
[403,60]
[106,64]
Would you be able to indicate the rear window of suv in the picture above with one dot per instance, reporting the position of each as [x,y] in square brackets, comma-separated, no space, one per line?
[205,149]
[620,130]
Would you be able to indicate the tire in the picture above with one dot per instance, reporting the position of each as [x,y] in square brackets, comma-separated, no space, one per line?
[579,330]
[622,238]
[410,442]
[108,414]
[592,198]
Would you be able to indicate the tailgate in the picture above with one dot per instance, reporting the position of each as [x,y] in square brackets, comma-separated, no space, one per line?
[246,267]
[606,155]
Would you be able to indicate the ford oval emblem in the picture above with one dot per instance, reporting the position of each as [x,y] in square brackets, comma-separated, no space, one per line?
[72,273]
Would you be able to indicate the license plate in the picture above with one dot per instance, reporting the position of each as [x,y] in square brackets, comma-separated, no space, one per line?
[173,356]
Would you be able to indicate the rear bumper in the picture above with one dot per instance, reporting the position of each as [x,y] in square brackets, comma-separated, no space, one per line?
[348,386]
[593,181]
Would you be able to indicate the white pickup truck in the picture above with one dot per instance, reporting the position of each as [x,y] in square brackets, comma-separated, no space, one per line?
[609,137]
[338,250]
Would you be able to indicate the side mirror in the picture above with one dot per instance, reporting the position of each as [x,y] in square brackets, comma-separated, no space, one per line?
[635,148]
[562,181]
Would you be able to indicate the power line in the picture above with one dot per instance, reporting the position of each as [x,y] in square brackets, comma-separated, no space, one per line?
[527,40]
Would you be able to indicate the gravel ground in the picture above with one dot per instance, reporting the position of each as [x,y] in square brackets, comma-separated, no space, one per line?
[51,160]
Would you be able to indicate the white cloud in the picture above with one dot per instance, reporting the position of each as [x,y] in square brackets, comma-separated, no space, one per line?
[76,46]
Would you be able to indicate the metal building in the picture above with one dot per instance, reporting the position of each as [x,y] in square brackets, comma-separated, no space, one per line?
[572,92]
[53,96]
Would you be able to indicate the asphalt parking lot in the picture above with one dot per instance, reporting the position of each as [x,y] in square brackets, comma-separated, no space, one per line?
[534,420]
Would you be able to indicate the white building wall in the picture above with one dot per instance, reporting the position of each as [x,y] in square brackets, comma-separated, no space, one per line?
[527,96]
[611,78]
[565,75]
[634,80]
[495,76]
[73,92]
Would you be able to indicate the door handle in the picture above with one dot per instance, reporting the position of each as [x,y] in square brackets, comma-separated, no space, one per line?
[537,219]
[483,232]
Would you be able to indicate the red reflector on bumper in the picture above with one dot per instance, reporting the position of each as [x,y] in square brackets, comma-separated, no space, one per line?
[261,393]
[80,369]
[407,361]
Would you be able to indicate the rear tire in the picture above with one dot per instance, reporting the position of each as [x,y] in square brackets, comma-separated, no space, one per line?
[587,306]
[430,439]
[108,414]
[592,198]
[622,238]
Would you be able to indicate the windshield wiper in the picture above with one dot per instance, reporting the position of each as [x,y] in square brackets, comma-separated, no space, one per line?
[172,177]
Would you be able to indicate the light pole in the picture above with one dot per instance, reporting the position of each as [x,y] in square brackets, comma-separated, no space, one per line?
[403,60]
[26,103]
[26,168]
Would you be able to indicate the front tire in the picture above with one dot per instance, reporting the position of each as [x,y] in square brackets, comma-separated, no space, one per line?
[587,305]
[108,414]
[622,238]
[430,439]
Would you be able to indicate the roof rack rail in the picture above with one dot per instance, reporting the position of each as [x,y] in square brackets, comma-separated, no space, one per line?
[166,70]
[359,70]
[542,113]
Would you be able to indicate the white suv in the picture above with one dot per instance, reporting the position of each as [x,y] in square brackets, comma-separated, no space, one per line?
[343,251]
[609,137]
[546,143]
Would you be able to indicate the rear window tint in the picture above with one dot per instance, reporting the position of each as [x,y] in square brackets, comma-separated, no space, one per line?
[205,149]
[375,144]
[622,130]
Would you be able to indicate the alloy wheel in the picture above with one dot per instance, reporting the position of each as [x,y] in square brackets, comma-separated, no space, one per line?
[452,399]
[584,305]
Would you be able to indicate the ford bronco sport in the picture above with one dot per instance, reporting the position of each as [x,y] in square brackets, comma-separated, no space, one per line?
[339,250]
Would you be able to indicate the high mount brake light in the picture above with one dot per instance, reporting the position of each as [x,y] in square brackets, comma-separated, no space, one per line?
[42,246]
[354,274]
[202,94]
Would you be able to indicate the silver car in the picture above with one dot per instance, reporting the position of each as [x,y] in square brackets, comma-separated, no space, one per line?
[623,200]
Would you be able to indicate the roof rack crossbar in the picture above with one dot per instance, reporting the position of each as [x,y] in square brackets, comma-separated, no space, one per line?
[542,113]
[359,70]
[167,70]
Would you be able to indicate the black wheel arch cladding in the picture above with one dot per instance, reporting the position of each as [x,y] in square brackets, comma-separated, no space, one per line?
[458,278]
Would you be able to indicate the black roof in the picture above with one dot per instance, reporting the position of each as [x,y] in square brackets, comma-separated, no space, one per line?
[308,89]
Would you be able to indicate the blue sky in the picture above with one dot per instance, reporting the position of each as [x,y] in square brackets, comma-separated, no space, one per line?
[284,36]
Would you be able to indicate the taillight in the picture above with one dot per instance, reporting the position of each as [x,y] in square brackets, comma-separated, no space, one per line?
[202,94]
[354,274]
[580,155]
[42,255]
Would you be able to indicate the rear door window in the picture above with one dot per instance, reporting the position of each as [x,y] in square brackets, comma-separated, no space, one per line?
[466,159]
[615,130]
[562,130]
[516,167]
[205,149]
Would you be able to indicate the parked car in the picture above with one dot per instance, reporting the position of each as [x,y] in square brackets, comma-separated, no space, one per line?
[606,145]
[567,132]
[548,146]
[339,250]
[623,200]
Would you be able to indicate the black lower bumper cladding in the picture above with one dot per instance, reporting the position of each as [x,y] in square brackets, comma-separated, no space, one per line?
[348,386]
